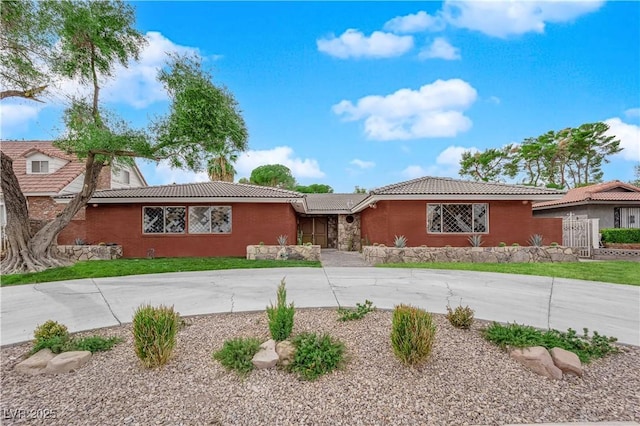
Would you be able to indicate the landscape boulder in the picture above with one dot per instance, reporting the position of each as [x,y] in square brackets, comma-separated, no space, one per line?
[36,363]
[266,356]
[538,360]
[566,361]
[286,351]
[67,361]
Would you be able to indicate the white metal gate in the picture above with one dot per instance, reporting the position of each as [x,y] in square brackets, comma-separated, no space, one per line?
[581,234]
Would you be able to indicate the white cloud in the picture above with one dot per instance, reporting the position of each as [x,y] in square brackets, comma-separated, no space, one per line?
[434,110]
[494,100]
[135,85]
[632,112]
[512,17]
[363,164]
[447,164]
[16,117]
[354,44]
[415,23]
[440,48]
[163,174]
[451,156]
[629,135]
[412,172]
[249,160]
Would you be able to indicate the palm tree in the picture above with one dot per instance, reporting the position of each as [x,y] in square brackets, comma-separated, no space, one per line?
[221,166]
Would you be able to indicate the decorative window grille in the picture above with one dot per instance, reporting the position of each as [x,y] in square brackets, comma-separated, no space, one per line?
[627,217]
[213,219]
[163,220]
[458,218]
[221,219]
[199,220]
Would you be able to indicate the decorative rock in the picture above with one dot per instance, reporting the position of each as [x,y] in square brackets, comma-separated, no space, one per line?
[36,363]
[538,360]
[266,356]
[566,361]
[67,361]
[286,351]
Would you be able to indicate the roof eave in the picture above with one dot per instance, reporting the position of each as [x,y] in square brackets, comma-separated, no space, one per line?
[184,200]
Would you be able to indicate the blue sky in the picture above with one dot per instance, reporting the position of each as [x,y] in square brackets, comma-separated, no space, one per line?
[372,93]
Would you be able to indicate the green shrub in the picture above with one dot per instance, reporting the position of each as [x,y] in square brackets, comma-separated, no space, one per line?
[280,316]
[56,344]
[621,235]
[236,354]
[95,343]
[536,240]
[50,329]
[359,312]
[502,244]
[412,334]
[520,336]
[154,334]
[460,317]
[316,355]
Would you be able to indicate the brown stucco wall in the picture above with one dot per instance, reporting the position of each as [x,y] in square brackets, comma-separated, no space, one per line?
[252,223]
[509,222]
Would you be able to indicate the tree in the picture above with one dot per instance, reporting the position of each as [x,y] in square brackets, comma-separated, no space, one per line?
[27,36]
[275,175]
[358,190]
[636,173]
[567,158]
[202,119]
[491,165]
[314,188]
[221,166]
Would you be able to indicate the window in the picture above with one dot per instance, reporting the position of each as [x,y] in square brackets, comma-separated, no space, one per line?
[210,220]
[626,217]
[126,178]
[458,218]
[163,220]
[172,220]
[39,167]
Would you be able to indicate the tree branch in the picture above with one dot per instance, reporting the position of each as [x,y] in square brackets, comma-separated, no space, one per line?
[27,94]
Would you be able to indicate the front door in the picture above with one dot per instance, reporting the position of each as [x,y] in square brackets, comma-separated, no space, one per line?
[314,230]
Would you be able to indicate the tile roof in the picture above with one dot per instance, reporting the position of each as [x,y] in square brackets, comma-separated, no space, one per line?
[41,183]
[217,189]
[447,186]
[607,191]
[335,203]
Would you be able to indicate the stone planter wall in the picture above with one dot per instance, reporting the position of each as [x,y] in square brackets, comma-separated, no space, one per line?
[378,254]
[284,253]
[91,252]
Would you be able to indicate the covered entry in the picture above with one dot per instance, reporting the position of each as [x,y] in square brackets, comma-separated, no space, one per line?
[314,230]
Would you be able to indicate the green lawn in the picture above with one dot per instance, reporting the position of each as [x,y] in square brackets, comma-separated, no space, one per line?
[120,267]
[619,272]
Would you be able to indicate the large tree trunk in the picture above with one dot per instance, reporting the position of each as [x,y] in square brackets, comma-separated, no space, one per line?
[27,253]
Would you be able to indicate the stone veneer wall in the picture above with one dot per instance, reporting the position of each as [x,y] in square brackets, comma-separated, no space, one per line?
[282,253]
[332,232]
[380,254]
[91,252]
[349,233]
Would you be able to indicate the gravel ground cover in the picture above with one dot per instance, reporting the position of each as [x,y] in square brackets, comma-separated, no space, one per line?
[466,381]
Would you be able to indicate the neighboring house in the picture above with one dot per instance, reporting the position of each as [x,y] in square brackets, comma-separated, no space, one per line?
[222,218]
[615,203]
[44,172]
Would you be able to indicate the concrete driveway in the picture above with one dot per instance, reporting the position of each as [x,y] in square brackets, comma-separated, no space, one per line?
[610,309]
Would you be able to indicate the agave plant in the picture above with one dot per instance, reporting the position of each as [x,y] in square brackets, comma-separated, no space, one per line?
[400,241]
[282,240]
[535,240]
[475,240]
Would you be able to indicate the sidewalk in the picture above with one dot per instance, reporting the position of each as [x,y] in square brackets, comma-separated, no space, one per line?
[610,309]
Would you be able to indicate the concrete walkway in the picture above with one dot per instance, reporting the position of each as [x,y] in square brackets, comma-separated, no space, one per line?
[610,309]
